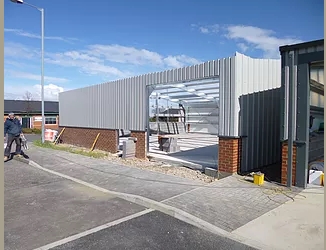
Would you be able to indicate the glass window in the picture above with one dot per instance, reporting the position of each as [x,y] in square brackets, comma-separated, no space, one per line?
[50,120]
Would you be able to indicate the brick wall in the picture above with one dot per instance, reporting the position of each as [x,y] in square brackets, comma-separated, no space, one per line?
[84,137]
[285,162]
[140,144]
[229,155]
[38,124]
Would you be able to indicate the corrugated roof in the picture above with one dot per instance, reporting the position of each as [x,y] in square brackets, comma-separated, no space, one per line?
[32,107]
[304,45]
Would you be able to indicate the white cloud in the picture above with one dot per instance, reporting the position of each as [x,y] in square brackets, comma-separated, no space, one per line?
[87,64]
[29,76]
[250,37]
[207,29]
[51,91]
[95,59]
[123,54]
[31,35]
[19,51]
[243,47]
[112,61]
[204,30]
[258,38]
[180,61]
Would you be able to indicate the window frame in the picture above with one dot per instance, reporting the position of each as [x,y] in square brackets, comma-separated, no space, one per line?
[50,120]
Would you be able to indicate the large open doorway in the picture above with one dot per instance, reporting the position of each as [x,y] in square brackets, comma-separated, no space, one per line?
[316,123]
[316,118]
[183,122]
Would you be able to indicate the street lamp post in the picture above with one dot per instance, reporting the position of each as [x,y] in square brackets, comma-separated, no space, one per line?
[42,58]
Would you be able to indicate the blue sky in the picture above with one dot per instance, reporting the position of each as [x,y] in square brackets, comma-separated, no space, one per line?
[90,42]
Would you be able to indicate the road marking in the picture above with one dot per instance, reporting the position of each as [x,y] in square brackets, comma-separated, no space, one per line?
[164,208]
[93,230]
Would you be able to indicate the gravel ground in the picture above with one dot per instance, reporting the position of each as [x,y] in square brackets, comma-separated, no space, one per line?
[152,165]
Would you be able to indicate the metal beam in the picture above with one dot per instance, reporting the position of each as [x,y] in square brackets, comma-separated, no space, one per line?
[304,45]
[148,93]
[198,81]
[182,91]
[316,87]
[176,85]
[303,113]
[311,57]
[291,119]
[316,110]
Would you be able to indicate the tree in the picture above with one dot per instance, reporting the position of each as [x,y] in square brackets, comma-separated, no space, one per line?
[28,97]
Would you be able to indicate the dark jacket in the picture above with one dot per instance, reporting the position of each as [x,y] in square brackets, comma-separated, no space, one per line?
[12,127]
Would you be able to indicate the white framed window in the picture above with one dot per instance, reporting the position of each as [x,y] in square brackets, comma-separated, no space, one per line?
[50,120]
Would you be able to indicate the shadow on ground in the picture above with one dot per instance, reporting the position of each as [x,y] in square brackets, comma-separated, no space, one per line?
[205,156]
[12,155]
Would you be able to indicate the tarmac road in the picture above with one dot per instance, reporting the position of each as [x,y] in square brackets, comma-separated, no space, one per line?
[41,208]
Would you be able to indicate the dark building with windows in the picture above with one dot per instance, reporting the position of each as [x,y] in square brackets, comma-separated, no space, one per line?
[30,113]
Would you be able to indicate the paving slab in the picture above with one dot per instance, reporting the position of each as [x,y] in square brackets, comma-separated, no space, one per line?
[297,225]
[40,208]
[150,232]
[230,202]
[149,184]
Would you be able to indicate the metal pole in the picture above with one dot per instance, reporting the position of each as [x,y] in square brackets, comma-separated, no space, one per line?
[157,114]
[291,120]
[167,106]
[42,74]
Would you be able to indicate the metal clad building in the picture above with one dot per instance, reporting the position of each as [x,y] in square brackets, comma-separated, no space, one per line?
[123,104]
[256,103]
[302,92]
[247,108]
[290,73]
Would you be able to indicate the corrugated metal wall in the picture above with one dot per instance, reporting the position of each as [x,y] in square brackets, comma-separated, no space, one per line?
[226,92]
[291,66]
[115,105]
[122,104]
[257,110]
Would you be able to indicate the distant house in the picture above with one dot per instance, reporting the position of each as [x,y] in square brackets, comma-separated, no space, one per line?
[30,113]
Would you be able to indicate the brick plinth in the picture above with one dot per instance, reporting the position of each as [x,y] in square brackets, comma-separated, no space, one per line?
[84,137]
[285,163]
[140,144]
[229,155]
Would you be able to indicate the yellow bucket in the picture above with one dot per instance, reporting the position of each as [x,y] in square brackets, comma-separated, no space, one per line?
[322,179]
[259,179]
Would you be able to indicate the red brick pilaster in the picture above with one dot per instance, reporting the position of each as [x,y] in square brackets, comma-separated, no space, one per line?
[140,144]
[285,163]
[229,155]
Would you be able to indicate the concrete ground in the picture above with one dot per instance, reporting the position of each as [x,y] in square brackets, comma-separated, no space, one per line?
[46,211]
[195,148]
[293,225]
[228,207]
[41,208]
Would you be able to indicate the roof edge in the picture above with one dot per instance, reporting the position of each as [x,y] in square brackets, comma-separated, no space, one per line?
[303,45]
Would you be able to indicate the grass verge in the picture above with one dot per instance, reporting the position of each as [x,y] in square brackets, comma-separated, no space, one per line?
[32,131]
[50,145]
